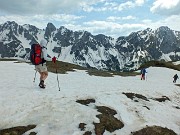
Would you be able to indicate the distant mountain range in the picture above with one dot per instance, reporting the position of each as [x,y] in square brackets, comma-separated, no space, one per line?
[98,51]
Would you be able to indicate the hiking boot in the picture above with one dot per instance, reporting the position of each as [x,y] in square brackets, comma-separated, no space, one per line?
[41,84]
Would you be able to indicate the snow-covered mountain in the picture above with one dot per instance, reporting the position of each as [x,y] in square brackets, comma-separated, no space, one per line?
[88,105]
[85,49]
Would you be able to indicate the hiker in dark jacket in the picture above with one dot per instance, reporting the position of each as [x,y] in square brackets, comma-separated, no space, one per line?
[143,72]
[175,78]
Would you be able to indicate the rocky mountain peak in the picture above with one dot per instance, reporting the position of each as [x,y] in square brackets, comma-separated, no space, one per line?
[51,27]
[49,30]
[97,51]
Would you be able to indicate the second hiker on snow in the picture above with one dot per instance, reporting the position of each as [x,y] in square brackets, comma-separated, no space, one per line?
[143,73]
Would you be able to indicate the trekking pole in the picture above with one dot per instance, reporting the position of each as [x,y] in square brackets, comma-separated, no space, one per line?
[54,61]
[35,76]
[58,80]
[146,77]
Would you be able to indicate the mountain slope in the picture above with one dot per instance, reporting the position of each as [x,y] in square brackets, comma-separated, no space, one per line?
[97,51]
[137,103]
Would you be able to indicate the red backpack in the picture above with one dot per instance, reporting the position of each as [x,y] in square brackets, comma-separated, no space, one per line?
[35,54]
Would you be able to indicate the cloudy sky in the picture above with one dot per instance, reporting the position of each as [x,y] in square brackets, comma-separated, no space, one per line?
[110,17]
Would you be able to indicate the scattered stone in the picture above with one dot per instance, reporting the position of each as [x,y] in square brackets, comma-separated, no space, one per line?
[106,110]
[82,126]
[107,121]
[86,102]
[99,128]
[134,95]
[162,99]
[136,101]
[147,107]
[154,130]
[177,85]
[177,107]
[33,133]
[88,133]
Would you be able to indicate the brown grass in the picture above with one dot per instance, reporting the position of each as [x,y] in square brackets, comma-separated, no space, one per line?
[154,130]
[64,67]
[160,64]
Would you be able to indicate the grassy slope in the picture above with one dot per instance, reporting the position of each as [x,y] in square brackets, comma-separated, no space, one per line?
[64,67]
[160,64]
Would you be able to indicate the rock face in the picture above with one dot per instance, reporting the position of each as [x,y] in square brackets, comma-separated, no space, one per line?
[98,51]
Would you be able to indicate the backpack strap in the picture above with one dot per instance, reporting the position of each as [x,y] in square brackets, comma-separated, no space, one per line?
[42,55]
[44,47]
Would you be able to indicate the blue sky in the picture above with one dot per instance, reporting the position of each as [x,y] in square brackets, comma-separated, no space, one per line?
[110,17]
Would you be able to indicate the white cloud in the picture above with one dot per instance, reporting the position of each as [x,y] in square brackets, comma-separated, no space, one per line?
[130,4]
[139,2]
[147,21]
[92,6]
[39,6]
[41,21]
[112,6]
[171,21]
[24,7]
[112,28]
[115,18]
[129,17]
[166,7]
[173,18]
[125,5]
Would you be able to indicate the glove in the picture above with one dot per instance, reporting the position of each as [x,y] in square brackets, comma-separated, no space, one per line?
[54,59]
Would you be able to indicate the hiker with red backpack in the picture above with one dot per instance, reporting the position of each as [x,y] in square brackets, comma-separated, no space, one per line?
[38,57]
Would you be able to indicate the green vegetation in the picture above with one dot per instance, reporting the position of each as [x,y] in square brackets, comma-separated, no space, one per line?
[107,121]
[18,130]
[2,59]
[154,130]
[160,64]
[64,67]
[177,85]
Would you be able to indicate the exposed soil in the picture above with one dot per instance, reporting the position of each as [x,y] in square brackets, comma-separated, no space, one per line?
[82,126]
[134,95]
[154,130]
[162,99]
[88,133]
[18,130]
[147,107]
[107,121]
[177,85]
[86,102]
